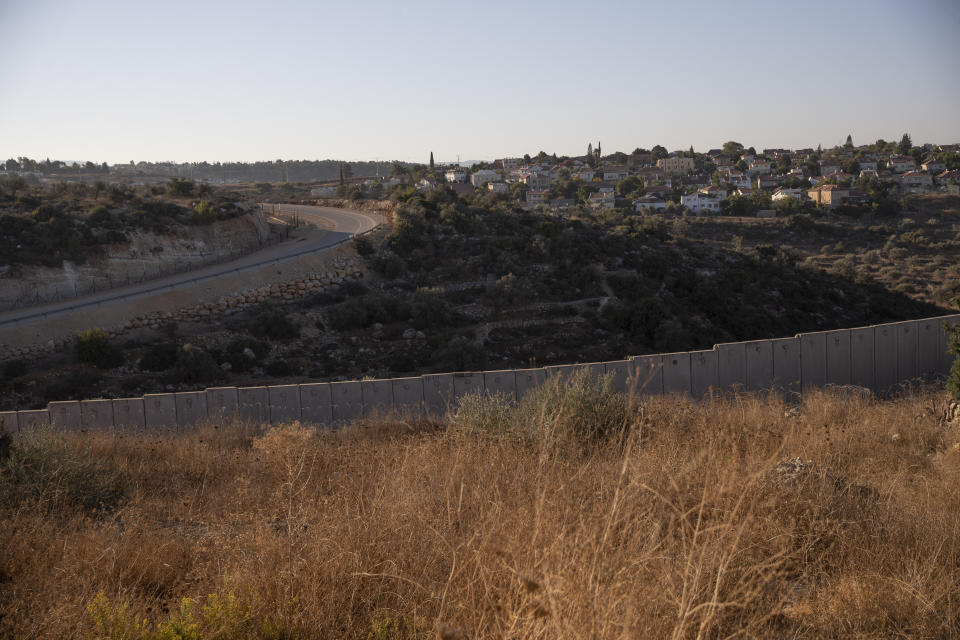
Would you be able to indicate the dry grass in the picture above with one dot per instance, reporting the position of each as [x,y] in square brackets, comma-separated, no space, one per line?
[682,528]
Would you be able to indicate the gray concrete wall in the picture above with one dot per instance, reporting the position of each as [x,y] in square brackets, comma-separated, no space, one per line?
[878,357]
[704,374]
[316,403]
[676,373]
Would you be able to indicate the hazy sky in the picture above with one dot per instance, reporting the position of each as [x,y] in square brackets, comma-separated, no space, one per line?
[120,80]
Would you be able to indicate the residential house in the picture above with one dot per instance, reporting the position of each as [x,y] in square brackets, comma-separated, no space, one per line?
[537,181]
[715,191]
[615,173]
[660,190]
[933,166]
[641,159]
[536,197]
[603,199]
[945,177]
[832,195]
[676,164]
[425,184]
[743,192]
[768,182]
[498,187]
[650,203]
[901,164]
[916,181]
[868,165]
[585,174]
[508,164]
[484,176]
[759,166]
[866,174]
[785,193]
[738,179]
[829,165]
[562,203]
[456,174]
[701,203]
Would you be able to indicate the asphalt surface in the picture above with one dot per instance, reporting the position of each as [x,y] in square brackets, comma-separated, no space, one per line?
[314,237]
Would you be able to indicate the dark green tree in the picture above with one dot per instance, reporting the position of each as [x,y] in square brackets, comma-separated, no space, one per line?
[658,152]
[849,143]
[905,145]
[732,149]
[431,161]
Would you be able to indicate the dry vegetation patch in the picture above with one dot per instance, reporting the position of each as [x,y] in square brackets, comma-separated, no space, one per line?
[681,522]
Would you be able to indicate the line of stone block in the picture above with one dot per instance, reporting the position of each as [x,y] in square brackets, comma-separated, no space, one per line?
[877,357]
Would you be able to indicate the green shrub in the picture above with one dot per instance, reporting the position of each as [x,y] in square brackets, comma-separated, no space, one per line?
[582,408]
[235,352]
[203,214]
[363,246]
[94,347]
[159,357]
[194,366]
[56,474]
[270,322]
[279,369]
[14,368]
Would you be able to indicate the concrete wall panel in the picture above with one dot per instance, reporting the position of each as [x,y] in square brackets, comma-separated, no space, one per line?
[838,357]
[562,372]
[347,399]
[408,397]
[946,359]
[676,373]
[32,419]
[528,379]
[465,383]
[503,383]
[160,411]
[731,365]
[9,422]
[65,415]
[377,397]
[786,364]
[649,372]
[316,403]
[438,396]
[128,413]
[96,414]
[703,373]
[253,405]
[928,349]
[191,408]
[861,357]
[885,353]
[223,404]
[284,402]
[759,363]
[621,375]
[908,351]
[813,359]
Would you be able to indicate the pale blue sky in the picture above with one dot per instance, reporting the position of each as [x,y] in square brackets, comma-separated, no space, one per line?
[120,80]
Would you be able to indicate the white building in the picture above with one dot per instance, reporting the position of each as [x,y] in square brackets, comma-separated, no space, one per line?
[498,187]
[456,174]
[784,193]
[483,176]
[701,203]
[649,203]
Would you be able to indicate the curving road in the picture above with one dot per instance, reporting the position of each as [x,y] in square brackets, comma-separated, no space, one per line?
[317,236]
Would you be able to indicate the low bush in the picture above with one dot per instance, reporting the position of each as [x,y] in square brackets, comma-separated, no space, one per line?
[94,347]
[270,322]
[237,352]
[50,473]
[581,408]
[159,357]
[14,368]
[194,366]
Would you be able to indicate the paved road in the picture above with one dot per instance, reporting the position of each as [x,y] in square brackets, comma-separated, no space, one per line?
[312,239]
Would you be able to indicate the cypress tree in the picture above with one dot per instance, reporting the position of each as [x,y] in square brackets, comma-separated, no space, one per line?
[431,161]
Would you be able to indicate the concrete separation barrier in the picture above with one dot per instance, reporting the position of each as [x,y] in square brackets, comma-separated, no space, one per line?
[878,357]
